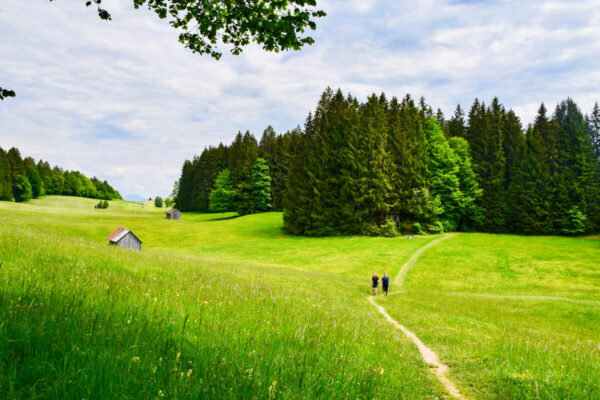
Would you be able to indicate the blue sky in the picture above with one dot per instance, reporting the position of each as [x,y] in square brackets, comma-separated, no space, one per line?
[124,101]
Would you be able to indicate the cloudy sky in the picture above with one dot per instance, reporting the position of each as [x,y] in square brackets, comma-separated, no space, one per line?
[124,101]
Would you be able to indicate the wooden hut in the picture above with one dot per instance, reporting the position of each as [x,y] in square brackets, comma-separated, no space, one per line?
[122,237]
[173,214]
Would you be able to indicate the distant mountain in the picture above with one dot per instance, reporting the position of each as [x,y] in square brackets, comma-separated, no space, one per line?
[134,197]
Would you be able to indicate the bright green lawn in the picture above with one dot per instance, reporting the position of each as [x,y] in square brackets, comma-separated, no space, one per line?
[514,317]
[220,307]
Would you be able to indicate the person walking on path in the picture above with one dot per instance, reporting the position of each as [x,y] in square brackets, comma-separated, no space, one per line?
[375,280]
[385,283]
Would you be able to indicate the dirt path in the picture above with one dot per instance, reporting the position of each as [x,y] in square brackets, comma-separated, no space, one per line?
[439,369]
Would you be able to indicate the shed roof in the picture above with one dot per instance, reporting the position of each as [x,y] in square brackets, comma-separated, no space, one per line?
[171,210]
[119,234]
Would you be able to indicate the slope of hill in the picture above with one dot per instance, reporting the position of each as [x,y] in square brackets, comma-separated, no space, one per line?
[220,307]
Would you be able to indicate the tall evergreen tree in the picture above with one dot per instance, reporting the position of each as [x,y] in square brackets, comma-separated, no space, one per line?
[222,197]
[301,183]
[261,186]
[579,185]
[35,180]
[593,121]
[456,127]
[471,215]
[409,196]
[373,163]
[5,179]
[443,175]
[17,167]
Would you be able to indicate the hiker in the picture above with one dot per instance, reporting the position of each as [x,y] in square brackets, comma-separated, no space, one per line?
[385,283]
[375,280]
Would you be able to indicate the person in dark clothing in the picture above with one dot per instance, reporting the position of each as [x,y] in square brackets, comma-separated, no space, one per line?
[385,283]
[375,280]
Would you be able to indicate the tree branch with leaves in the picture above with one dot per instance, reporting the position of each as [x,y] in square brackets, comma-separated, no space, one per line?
[207,26]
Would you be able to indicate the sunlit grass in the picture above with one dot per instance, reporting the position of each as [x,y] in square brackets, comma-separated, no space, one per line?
[221,307]
[514,317]
[85,320]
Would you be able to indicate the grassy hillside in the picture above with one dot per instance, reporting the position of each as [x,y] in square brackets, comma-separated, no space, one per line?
[221,307]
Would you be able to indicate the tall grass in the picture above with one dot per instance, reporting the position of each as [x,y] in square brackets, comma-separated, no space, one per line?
[80,319]
[215,307]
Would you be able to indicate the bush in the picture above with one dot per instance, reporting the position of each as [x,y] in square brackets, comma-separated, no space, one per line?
[416,229]
[158,202]
[23,190]
[105,204]
[449,226]
[436,227]
[389,229]
[373,230]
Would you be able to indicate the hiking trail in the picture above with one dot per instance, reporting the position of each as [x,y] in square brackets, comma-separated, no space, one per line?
[439,369]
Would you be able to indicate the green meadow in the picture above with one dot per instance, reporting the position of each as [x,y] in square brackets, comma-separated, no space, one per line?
[217,307]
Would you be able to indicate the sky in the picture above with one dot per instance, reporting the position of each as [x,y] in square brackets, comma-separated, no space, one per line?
[126,102]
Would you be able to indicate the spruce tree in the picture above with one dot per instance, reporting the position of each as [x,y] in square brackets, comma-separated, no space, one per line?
[443,175]
[579,169]
[222,197]
[300,195]
[455,127]
[183,201]
[530,188]
[5,179]
[261,186]
[594,129]
[17,167]
[409,197]
[471,215]
[35,180]
[373,164]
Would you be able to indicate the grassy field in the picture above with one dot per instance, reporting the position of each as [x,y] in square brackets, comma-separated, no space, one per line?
[221,307]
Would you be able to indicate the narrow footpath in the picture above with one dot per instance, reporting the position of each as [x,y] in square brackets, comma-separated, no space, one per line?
[439,369]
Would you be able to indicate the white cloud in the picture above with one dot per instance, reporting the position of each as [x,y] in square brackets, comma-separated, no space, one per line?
[125,101]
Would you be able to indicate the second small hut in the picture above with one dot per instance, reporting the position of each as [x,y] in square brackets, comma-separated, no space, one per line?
[173,214]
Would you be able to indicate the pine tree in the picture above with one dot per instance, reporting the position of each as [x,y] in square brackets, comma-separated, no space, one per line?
[300,194]
[183,201]
[373,164]
[35,180]
[5,179]
[471,215]
[261,186]
[409,197]
[456,125]
[17,167]
[579,184]
[222,197]
[530,188]
[594,129]
[443,175]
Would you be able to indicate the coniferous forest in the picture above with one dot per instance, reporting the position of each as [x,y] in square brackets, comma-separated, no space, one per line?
[24,179]
[388,166]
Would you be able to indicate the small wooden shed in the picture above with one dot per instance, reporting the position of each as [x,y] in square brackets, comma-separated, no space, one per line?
[173,214]
[122,237]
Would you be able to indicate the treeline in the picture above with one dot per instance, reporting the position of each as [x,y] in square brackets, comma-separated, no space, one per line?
[355,167]
[198,176]
[24,179]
